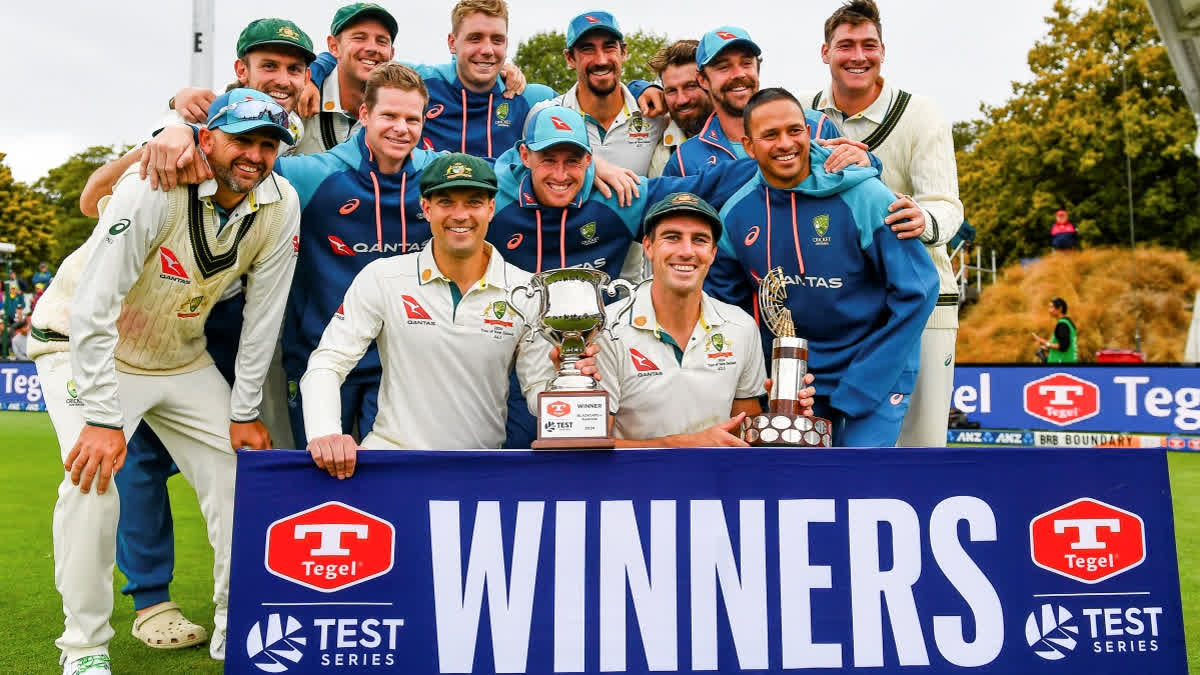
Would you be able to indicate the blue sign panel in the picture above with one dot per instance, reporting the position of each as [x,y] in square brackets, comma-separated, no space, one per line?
[1080,398]
[761,560]
[19,387]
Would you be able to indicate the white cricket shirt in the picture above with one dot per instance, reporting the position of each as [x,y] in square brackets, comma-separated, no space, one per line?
[629,142]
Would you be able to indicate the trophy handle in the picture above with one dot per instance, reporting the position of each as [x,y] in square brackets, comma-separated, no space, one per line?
[612,289]
[527,292]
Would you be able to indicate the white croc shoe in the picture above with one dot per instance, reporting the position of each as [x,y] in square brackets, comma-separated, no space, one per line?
[167,628]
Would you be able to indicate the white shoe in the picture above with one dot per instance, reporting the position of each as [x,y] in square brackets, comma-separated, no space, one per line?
[99,664]
[216,645]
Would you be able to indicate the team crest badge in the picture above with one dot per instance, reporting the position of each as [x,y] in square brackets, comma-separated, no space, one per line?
[287,33]
[821,224]
[719,348]
[588,232]
[684,198]
[458,170]
[188,308]
[499,308]
[502,115]
[718,341]
[72,391]
[293,390]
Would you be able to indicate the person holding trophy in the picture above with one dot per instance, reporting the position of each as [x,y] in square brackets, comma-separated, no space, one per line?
[858,294]
[441,317]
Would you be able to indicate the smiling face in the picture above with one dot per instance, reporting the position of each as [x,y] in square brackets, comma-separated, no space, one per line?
[480,44]
[360,47]
[278,72]
[681,248]
[556,173]
[779,142]
[597,58]
[458,219]
[393,124]
[854,54]
[687,102]
[731,78]
[239,161]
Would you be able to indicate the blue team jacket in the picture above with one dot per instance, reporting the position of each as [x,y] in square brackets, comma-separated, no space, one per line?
[711,146]
[859,295]
[592,231]
[351,214]
[460,120]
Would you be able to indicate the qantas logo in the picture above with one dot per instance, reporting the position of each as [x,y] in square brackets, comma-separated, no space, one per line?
[515,241]
[172,270]
[528,198]
[348,207]
[340,313]
[591,19]
[559,124]
[725,35]
[642,363]
[712,159]
[339,247]
[296,243]
[414,310]
[427,143]
[712,134]
[434,111]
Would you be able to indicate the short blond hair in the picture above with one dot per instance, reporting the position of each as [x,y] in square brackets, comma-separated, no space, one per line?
[464,8]
[392,75]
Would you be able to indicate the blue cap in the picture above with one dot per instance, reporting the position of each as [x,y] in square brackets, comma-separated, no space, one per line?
[554,125]
[589,21]
[240,110]
[714,41]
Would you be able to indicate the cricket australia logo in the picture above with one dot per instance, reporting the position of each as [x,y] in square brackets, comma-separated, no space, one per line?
[190,308]
[458,170]
[502,116]
[493,314]
[73,393]
[639,131]
[720,351]
[821,226]
[588,232]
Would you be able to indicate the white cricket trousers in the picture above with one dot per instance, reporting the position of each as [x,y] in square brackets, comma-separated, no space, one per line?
[929,408]
[190,414]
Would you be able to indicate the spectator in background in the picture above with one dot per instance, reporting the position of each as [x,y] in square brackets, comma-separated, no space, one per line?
[5,338]
[14,300]
[38,290]
[42,276]
[14,280]
[1063,348]
[1062,234]
[20,337]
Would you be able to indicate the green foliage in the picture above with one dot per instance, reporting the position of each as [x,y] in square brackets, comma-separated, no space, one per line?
[27,220]
[541,58]
[62,187]
[1060,141]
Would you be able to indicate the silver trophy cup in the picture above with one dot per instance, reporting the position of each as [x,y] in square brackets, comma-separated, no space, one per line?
[570,316]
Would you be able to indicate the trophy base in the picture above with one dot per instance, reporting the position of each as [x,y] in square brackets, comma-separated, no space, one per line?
[778,430]
[573,420]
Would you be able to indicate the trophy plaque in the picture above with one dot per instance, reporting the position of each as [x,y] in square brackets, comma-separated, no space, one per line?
[573,411]
[783,425]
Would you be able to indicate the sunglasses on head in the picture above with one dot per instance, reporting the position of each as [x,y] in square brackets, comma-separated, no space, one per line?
[254,110]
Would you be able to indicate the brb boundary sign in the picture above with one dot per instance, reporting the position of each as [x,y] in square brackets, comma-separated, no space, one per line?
[698,561]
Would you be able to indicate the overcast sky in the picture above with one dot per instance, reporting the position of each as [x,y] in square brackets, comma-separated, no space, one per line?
[87,73]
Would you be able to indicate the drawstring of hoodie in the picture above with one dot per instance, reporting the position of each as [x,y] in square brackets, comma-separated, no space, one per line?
[379,217]
[562,240]
[795,240]
[487,122]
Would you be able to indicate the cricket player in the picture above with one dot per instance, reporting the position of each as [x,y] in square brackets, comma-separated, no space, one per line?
[442,318]
[119,338]
[272,57]
[859,294]
[913,140]
[688,104]
[685,368]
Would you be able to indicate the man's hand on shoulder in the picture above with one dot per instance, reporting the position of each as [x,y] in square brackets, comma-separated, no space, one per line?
[610,178]
[514,80]
[98,454]
[907,219]
[172,158]
[335,453]
[846,152]
[652,102]
[192,104]
[309,101]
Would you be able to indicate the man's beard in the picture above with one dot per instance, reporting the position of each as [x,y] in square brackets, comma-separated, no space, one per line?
[225,176]
[692,125]
[602,92]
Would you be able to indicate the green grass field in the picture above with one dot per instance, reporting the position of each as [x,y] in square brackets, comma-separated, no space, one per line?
[32,618]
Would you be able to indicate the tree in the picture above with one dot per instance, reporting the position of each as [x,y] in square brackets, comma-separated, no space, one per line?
[27,221]
[1061,140]
[541,58]
[62,187]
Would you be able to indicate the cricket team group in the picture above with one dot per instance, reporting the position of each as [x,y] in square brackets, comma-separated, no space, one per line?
[324,255]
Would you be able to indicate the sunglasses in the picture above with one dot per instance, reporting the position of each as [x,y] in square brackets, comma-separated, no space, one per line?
[254,110]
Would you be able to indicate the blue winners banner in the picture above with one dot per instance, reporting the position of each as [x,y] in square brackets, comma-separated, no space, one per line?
[687,561]
[20,388]
[1125,399]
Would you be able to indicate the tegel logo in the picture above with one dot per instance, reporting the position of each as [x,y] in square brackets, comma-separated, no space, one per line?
[330,547]
[1087,540]
[273,644]
[1052,637]
[1062,399]
[558,408]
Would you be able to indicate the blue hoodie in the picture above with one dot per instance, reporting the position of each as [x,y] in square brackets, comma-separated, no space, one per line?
[857,293]
[460,120]
[351,214]
[593,231]
[711,146]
